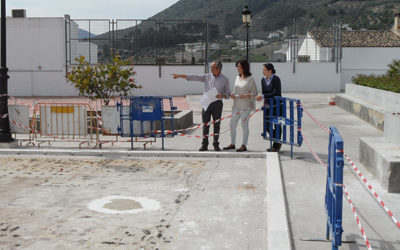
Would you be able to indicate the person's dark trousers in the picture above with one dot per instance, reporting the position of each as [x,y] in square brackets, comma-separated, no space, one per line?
[214,110]
[275,126]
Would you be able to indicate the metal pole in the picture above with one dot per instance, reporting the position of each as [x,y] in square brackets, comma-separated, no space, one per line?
[247,42]
[5,133]
[207,56]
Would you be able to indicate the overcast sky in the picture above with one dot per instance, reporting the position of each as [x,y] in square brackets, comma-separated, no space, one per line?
[109,9]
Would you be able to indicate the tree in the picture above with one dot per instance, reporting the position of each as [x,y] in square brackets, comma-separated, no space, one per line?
[103,81]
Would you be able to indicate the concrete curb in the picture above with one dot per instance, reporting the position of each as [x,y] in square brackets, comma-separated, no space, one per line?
[124,153]
[278,227]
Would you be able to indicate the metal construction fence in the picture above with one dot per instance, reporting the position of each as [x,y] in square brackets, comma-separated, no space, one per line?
[139,114]
[334,188]
[282,121]
[53,122]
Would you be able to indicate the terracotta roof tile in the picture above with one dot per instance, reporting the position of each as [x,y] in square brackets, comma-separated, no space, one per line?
[358,38]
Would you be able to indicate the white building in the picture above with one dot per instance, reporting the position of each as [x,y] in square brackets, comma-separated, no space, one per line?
[37,54]
[200,46]
[273,35]
[363,51]
[241,45]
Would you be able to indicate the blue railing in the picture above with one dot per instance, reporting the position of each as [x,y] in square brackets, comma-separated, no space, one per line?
[145,109]
[282,121]
[334,188]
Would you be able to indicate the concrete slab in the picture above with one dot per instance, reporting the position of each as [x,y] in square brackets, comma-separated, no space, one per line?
[304,183]
[205,203]
[278,228]
[128,153]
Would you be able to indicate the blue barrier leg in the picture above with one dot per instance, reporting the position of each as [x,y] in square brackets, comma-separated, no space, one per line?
[278,114]
[291,128]
[327,231]
[284,128]
[131,130]
[299,115]
[162,133]
[270,128]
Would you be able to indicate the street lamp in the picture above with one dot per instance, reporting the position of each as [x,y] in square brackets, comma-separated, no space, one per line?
[5,134]
[246,17]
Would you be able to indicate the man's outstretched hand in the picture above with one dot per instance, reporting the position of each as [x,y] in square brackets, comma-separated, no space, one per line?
[175,76]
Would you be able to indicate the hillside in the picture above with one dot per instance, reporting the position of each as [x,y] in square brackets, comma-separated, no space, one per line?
[271,15]
[272,21]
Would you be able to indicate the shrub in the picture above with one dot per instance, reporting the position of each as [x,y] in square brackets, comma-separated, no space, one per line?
[103,81]
[389,81]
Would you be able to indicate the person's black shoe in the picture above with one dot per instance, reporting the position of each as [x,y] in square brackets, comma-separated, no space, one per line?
[216,148]
[203,148]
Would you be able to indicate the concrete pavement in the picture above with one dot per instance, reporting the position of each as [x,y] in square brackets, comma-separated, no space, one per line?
[303,183]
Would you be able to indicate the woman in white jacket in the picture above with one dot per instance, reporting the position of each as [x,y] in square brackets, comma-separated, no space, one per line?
[243,95]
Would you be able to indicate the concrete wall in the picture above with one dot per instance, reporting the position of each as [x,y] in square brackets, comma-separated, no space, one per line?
[36,56]
[309,77]
[389,101]
[392,127]
[35,44]
[366,61]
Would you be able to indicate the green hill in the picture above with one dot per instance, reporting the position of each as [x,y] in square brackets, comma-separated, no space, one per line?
[165,41]
[271,15]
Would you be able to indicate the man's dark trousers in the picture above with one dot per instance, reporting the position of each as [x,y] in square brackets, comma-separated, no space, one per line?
[214,110]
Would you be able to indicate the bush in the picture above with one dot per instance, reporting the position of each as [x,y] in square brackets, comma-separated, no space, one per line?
[389,81]
[103,81]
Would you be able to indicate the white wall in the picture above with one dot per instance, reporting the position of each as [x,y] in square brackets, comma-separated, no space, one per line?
[36,57]
[387,100]
[310,47]
[366,61]
[34,43]
[309,77]
[39,83]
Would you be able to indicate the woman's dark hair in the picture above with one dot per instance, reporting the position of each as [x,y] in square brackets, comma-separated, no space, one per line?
[271,67]
[245,66]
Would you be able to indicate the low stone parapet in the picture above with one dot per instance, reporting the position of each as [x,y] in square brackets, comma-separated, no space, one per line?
[373,114]
[382,159]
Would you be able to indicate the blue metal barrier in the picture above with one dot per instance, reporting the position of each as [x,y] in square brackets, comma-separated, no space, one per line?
[277,120]
[334,188]
[145,109]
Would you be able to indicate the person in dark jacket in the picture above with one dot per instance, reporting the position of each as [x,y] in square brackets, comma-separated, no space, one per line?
[271,86]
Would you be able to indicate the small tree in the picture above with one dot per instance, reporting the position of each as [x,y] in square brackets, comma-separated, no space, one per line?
[103,81]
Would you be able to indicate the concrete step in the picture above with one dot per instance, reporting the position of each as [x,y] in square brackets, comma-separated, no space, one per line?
[369,112]
[382,159]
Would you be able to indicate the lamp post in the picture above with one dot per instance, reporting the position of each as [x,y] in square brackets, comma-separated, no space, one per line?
[246,17]
[5,133]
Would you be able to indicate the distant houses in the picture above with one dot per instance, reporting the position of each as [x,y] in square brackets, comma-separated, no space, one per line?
[362,51]
[318,45]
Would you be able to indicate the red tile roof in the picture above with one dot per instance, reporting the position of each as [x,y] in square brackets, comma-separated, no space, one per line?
[358,38]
